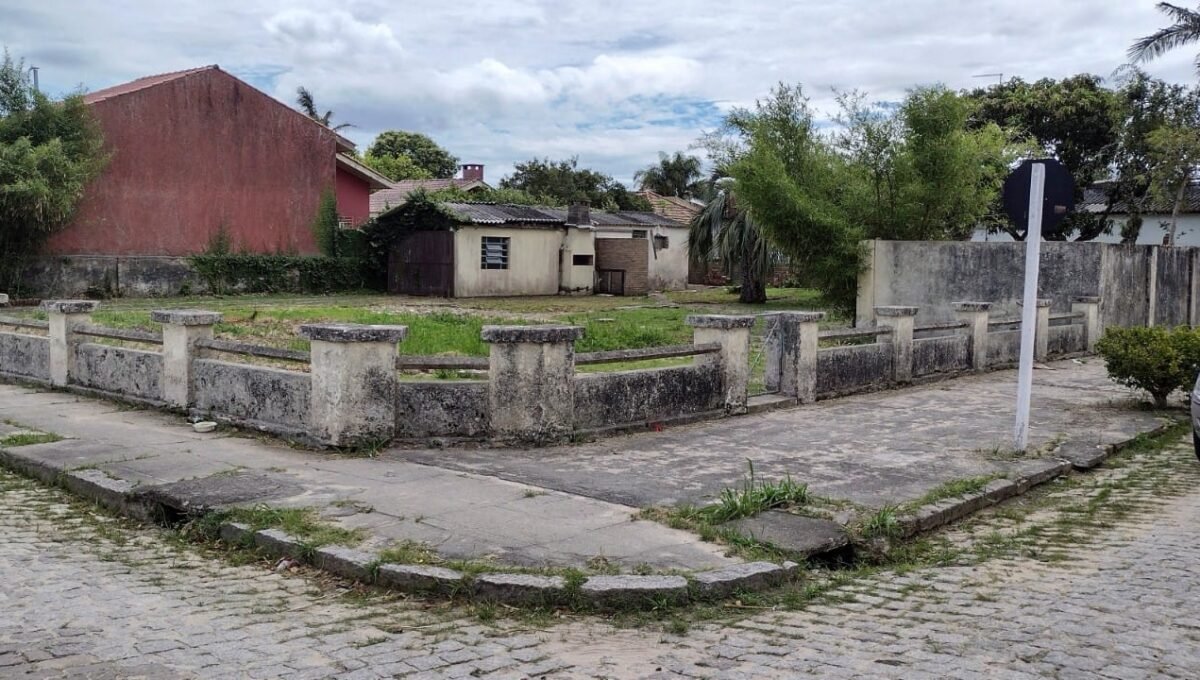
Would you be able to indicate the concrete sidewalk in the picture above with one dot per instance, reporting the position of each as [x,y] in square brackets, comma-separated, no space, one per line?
[460,515]
[888,447]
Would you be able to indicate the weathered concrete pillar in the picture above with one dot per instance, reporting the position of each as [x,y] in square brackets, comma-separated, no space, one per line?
[181,329]
[902,321]
[975,314]
[1090,307]
[732,333]
[531,381]
[1041,331]
[3,299]
[64,316]
[791,349]
[353,396]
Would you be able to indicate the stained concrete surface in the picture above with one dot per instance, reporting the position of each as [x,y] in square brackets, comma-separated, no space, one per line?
[882,448]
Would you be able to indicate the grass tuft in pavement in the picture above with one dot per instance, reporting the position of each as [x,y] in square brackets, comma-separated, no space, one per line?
[28,439]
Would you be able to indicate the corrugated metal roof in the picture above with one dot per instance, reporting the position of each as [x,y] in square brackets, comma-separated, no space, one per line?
[506,213]
[1095,200]
[390,198]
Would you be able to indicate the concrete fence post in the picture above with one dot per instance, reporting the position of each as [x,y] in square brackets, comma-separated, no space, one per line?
[902,321]
[791,353]
[1041,331]
[732,333]
[353,395]
[181,328]
[3,299]
[64,316]
[1090,307]
[531,381]
[975,314]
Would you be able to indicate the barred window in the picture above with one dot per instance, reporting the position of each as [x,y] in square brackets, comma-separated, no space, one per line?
[494,253]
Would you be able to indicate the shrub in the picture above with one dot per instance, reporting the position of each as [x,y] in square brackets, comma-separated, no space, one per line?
[1157,360]
[245,273]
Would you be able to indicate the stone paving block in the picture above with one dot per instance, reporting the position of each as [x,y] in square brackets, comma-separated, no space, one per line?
[519,588]
[418,578]
[749,576]
[631,590]
[802,536]
[345,562]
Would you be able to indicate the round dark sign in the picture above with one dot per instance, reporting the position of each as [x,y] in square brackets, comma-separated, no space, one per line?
[1058,197]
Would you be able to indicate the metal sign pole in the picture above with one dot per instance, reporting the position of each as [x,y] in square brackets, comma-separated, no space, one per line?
[1033,254]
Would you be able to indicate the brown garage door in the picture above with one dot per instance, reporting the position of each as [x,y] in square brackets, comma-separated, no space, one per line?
[423,264]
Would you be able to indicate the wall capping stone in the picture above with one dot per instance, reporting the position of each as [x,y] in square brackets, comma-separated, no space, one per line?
[349,332]
[797,317]
[972,306]
[720,321]
[186,317]
[531,334]
[70,306]
[1087,299]
[896,310]
[1041,302]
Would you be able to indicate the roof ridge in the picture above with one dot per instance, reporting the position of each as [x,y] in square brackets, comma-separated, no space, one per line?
[138,84]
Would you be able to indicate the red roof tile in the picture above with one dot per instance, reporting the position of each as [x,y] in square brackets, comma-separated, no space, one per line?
[678,209]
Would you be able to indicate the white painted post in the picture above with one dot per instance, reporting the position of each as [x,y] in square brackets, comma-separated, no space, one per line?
[181,329]
[64,316]
[1033,257]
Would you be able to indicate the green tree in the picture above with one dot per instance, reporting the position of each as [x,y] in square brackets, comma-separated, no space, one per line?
[308,107]
[919,171]
[1185,31]
[1075,120]
[49,151]
[500,195]
[420,149]
[564,182]
[395,168]
[673,175]
[326,224]
[1175,157]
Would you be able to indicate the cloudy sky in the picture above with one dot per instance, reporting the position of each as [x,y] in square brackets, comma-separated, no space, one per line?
[611,81]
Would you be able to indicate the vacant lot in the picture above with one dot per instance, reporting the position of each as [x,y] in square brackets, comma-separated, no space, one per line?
[440,326]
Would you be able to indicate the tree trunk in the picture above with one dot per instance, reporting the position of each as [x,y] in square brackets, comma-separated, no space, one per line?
[754,290]
[1175,210]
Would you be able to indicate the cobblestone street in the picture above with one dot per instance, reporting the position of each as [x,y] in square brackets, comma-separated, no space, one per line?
[1094,579]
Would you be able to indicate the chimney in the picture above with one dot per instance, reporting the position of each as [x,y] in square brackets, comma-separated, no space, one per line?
[579,215]
[472,172]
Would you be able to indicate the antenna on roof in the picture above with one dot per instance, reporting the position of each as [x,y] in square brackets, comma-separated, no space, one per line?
[990,75]
[33,71]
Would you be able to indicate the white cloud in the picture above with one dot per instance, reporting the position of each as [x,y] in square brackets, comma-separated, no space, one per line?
[498,81]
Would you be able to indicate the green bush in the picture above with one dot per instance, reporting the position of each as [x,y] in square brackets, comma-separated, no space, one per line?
[1157,360]
[245,273]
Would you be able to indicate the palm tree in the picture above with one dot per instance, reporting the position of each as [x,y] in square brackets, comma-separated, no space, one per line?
[729,234]
[673,175]
[304,99]
[1185,31]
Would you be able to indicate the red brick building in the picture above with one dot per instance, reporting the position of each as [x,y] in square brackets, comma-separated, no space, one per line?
[199,150]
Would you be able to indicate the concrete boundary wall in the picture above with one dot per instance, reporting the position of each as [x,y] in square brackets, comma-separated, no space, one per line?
[1139,285]
[352,395]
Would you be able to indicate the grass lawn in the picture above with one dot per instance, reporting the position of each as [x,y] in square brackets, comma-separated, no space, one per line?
[452,326]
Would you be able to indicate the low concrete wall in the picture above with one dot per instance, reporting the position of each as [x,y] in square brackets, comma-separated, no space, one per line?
[96,275]
[947,354]
[1004,347]
[456,408]
[128,372]
[25,355]
[646,396]
[855,368]
[266,398]
[1066,339]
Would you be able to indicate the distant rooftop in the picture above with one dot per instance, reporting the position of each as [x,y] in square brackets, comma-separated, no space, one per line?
[507,213]
[678,209]
[1095,199]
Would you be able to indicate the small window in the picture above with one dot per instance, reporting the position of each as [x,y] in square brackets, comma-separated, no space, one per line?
[494,253]
[582,260]
[639,233]
[660,242]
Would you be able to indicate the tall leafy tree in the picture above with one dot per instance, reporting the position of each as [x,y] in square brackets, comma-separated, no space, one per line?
[1184,31]
[308,107]
[564,182]
[674,175]
[419,149]
[1075,120]
[49,151]
[396,168]
[1175,154]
